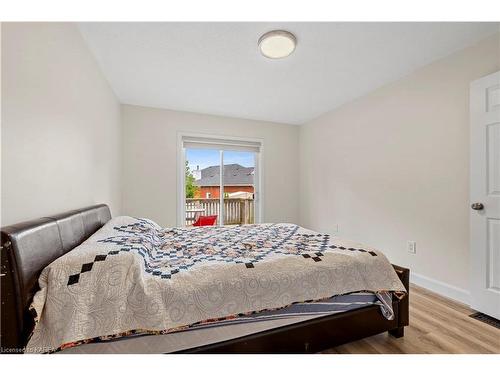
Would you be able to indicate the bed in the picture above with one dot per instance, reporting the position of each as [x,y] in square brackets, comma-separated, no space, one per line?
[291,321]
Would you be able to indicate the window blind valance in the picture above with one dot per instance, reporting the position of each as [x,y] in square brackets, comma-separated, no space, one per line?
[220,144]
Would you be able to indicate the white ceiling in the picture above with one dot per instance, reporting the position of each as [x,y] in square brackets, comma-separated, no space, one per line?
[216,68]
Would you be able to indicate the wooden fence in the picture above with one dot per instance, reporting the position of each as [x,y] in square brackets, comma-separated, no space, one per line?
[236,211]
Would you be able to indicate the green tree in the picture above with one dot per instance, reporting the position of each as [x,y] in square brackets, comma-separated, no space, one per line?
[191,188]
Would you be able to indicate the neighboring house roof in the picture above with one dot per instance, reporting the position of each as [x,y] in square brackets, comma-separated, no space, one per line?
[234,175]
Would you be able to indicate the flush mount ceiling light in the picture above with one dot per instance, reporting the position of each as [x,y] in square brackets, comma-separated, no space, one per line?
[277,44]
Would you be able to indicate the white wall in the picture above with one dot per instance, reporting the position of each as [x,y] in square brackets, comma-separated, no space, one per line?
[60,124]
[393,166]
[150,161]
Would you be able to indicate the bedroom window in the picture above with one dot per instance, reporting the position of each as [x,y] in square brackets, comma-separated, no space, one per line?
[219,181]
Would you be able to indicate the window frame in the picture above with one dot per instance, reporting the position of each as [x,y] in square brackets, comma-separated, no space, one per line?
[181,165]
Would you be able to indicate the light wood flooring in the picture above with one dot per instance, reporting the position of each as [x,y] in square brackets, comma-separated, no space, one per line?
[437,325]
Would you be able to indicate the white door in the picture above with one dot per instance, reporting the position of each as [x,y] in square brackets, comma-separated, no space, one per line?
[485,194]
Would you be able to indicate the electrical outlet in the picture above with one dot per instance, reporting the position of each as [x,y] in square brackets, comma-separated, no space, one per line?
[412,247]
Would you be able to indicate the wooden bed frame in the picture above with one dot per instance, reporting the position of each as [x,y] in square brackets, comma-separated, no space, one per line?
[27,248]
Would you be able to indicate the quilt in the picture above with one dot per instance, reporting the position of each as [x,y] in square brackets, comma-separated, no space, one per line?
[133,276]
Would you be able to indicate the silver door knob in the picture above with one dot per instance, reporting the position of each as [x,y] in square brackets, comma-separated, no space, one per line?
[477,206]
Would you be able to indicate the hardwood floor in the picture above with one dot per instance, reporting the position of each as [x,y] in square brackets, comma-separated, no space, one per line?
[437,326]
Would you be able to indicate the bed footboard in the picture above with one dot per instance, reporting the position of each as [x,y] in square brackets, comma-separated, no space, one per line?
[402,306]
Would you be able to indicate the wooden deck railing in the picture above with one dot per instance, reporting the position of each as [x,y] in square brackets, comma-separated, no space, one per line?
[236,211]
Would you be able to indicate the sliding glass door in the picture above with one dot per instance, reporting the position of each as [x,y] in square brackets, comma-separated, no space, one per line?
[239,187]
[220,182]
[202,185]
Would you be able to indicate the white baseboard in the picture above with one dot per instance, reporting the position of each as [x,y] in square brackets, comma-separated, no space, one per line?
[446,290]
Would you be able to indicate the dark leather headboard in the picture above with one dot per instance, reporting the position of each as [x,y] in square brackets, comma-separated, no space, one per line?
[26,249]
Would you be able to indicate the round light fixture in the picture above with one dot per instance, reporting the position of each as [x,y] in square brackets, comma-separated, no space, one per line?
[277,44]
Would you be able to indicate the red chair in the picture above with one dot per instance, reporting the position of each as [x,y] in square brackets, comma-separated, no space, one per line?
[205,221]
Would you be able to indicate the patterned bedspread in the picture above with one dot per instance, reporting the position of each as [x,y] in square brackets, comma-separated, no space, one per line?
[132,276]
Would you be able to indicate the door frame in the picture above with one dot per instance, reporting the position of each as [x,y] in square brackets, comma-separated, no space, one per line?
[181,162]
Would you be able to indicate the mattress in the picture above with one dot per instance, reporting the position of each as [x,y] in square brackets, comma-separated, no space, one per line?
[218,331]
